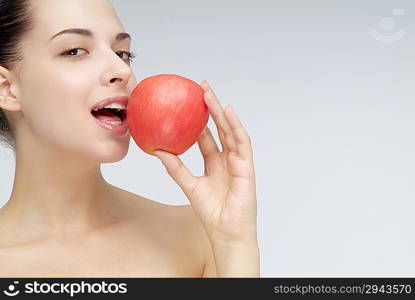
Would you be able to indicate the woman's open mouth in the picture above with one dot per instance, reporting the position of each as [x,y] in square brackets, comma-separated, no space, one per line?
[112,117]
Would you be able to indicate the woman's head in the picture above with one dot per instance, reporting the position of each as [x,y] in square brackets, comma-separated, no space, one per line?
[51,77]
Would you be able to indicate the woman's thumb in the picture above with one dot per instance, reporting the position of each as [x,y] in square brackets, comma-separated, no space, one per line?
[177,170]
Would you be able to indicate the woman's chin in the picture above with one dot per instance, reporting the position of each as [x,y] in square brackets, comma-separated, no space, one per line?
[113,153]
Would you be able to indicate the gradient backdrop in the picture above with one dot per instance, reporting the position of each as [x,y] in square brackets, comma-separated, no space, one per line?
[326,91]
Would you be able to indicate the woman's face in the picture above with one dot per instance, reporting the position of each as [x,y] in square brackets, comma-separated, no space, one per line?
[57,88]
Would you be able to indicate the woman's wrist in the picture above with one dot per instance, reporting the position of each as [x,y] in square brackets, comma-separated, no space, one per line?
[237,258]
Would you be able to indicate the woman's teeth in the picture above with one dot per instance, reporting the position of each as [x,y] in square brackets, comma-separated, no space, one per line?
[117,106]
[113,122]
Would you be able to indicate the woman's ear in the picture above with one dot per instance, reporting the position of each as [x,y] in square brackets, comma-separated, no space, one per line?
[8,99]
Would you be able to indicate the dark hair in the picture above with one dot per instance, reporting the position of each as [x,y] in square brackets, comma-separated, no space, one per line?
[15,23]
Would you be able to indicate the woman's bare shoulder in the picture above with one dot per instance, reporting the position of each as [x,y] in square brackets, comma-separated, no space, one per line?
[179,218]
[175,224]
[140,207]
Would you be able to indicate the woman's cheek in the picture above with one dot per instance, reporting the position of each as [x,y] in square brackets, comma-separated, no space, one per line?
[70,79]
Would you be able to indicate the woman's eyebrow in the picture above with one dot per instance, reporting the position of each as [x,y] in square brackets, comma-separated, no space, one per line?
[88,33]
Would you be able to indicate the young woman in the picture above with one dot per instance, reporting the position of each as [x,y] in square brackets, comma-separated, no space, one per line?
[57,60]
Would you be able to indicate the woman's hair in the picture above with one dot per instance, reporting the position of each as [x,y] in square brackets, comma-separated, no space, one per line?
[15,23]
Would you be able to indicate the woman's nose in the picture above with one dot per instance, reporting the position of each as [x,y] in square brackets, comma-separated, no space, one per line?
[117,72]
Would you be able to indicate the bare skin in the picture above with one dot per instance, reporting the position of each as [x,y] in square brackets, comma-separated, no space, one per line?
[143,238]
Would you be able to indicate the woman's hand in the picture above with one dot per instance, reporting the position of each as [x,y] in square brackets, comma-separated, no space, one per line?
[225,197]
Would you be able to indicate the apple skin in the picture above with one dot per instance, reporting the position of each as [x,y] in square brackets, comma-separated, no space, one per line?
[166,112]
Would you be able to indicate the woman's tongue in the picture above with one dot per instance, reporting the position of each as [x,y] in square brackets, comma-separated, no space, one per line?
[105,115]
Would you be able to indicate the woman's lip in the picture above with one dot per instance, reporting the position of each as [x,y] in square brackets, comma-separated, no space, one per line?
[114,99]
[119,130]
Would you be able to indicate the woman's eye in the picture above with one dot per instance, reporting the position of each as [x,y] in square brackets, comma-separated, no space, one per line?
[72,52]
[129,56]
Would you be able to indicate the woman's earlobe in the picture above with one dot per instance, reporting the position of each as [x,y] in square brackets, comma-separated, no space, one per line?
[9,103]
[8,99]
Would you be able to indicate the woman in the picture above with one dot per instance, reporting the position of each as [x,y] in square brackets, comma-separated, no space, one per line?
[63,219]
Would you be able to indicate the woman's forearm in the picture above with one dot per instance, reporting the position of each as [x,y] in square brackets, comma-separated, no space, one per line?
[236,259]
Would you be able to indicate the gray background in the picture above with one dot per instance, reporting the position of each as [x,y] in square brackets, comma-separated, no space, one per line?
[330,111]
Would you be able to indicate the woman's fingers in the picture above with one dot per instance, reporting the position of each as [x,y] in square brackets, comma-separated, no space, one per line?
[207,143]
[242,139]
[178,171]
[218,116]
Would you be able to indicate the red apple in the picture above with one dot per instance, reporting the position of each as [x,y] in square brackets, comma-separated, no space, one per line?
[166,112]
